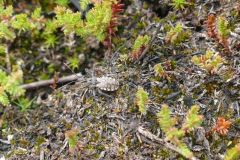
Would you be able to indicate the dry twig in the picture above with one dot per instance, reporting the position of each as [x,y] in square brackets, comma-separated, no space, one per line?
[152,137]
[51,81]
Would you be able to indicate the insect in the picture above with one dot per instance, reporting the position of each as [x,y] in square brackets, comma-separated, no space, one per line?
[106,83]
[89,84]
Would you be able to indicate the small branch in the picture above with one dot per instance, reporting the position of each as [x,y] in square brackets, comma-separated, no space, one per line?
[235,35]
[76,4]
[51,81]
[152,137]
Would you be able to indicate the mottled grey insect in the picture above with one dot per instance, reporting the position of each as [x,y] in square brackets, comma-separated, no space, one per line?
[107,83]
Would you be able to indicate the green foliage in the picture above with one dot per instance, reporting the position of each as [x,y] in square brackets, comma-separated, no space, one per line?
[14,24]
[21,22]
[10,84]
[5,13]
[37,20]
[176,35]
[164,118]
[140,41]
[72,137]
[50,40]
[159,71]
[185,150]
[179,4]
[72,141]
[98,20]
[68,21]
[36,14]
[84,4]
[141,100]
[50,27]
[24,103]
[233,153]
[223,27]
[62,2]
[5,32]
[73,62]
[2,49]
[175,135]
[209,62]
[3,97]
[192,120]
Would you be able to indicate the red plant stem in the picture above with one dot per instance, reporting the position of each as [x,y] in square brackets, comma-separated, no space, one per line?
[116,10]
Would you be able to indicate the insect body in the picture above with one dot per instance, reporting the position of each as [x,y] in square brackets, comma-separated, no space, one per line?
[107,83]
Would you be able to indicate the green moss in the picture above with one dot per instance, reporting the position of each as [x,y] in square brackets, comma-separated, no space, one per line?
[162,153]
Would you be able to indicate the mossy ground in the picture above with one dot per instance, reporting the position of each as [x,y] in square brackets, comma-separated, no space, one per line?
[107,122]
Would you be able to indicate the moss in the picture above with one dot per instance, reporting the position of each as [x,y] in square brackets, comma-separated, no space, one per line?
[162,153]
[39,140]
[23,143]
[210,87]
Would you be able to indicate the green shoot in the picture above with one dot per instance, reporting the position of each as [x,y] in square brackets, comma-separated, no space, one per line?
[209,62]
[164,118]
[175,135]
[142,100]
[222,27]
[50,40]
[139,45]
[140,41]
[233,153]
[176,35]
[24,103]
[192,120]
[72,137]
[10,84]
[62,2]
[73,62]
[98,20]
[179,4]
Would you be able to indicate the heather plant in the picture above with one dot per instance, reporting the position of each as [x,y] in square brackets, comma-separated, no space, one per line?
[99,23]
[142,100]
[218,28]
[98,20]
[160,72]
[176,35]
[209,61]
[176,135]
[10,85]
[139,45]
[223,31]
[223,27]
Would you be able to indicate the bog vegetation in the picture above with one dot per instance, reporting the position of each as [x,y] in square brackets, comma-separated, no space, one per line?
[178,66]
